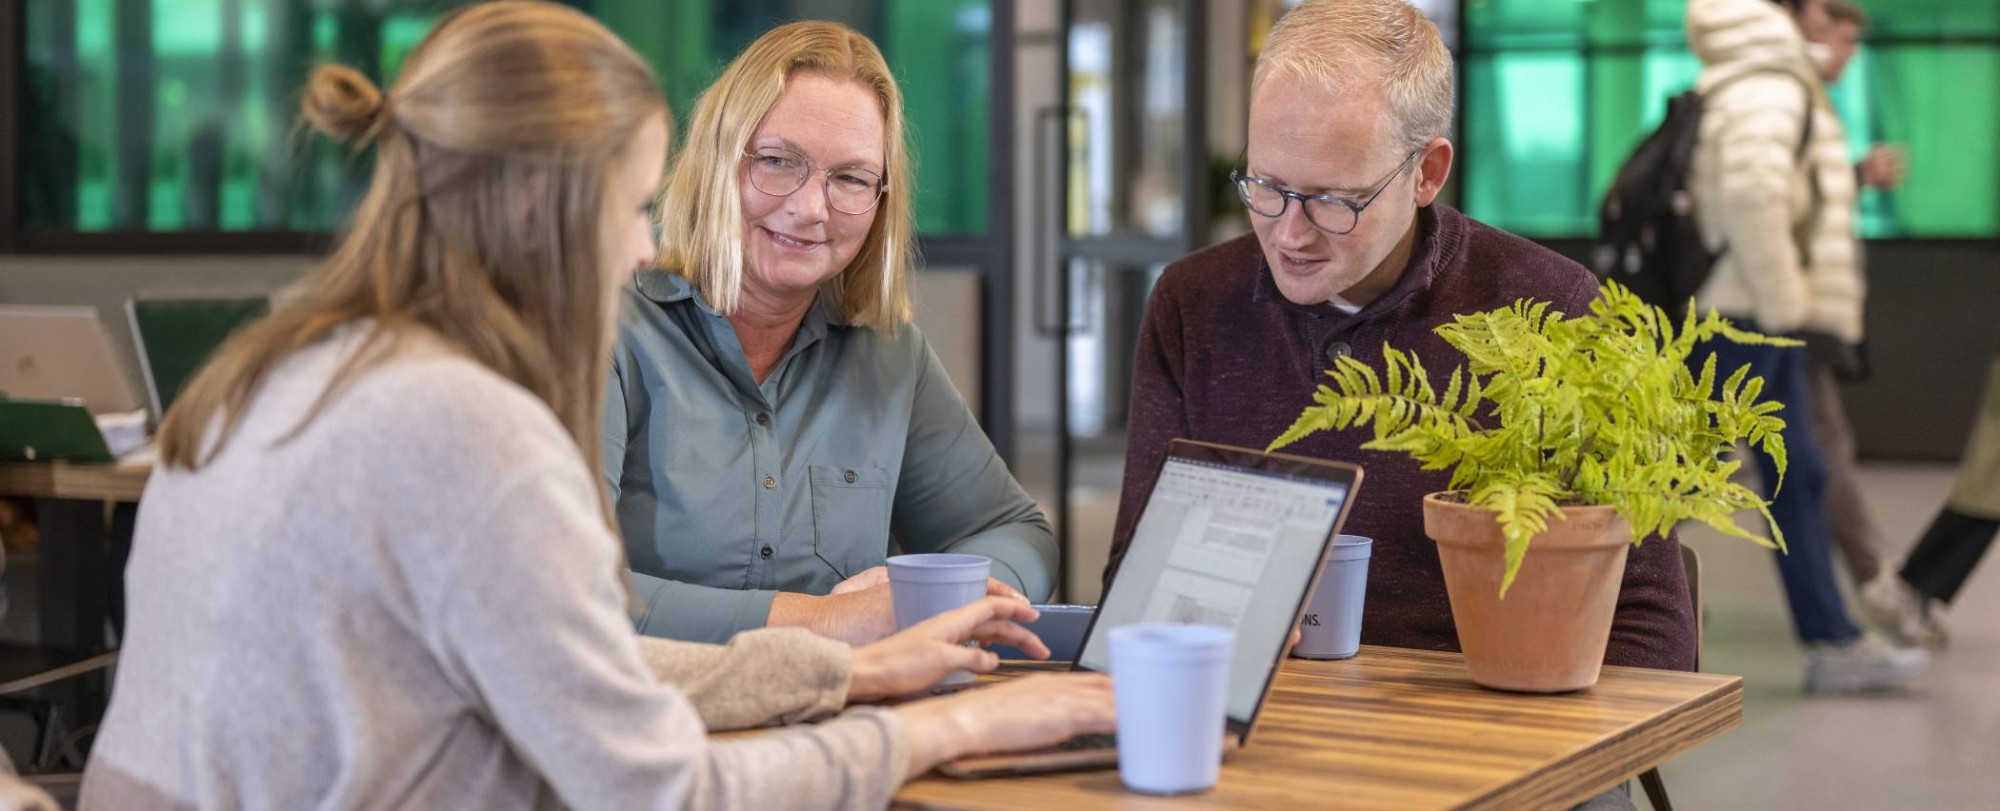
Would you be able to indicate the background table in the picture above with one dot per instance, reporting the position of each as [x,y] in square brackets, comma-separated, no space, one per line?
[1402,729]
[118,482]
[85,514]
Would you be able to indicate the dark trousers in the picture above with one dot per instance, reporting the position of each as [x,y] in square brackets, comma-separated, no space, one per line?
[1799,506]
[1946,555]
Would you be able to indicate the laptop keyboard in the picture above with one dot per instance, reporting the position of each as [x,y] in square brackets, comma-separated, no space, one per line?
[1086,742]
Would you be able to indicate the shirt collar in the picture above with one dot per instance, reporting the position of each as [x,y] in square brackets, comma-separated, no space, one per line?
[663,286]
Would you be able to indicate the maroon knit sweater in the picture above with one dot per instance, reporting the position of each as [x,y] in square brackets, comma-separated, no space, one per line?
[1224,357]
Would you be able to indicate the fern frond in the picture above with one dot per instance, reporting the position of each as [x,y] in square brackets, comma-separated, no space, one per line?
[1604,408]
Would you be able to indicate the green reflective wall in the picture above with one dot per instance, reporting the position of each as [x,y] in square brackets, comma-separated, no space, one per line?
[1557,92]
[180,115]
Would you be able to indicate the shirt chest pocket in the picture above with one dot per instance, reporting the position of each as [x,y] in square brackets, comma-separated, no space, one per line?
[850,507]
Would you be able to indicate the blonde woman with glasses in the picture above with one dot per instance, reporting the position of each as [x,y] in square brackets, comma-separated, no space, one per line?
[775,424]
[375,569]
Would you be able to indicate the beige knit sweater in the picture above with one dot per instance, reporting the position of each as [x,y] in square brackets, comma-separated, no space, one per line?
[413,604]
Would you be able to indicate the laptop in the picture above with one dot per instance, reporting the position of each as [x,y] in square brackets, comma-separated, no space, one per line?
[1230,537]
[176,336]
[61,354]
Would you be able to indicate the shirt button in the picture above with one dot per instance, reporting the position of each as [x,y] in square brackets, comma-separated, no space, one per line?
[1337,350]
[770,483]
[763,419]
[765,553]
[851,476]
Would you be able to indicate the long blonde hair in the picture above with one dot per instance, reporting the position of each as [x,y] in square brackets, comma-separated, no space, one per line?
[480,226]
[702,229]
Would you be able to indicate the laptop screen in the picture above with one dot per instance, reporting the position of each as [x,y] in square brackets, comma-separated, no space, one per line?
[1223,544]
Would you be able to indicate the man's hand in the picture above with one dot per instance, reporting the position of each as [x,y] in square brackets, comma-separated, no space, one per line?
[1884,167]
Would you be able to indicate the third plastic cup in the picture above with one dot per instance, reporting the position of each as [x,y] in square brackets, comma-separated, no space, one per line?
[1331,628]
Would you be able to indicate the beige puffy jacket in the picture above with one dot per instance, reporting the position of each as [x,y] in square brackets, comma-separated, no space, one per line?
[1791,261]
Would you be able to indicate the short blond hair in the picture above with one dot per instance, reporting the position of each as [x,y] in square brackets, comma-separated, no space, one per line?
[1389,43]
[701,235]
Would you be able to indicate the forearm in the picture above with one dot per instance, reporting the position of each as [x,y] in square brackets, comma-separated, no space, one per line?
[794,610]
[932,735]
[696,613]
[768,676]
[1023,554]
[855,761]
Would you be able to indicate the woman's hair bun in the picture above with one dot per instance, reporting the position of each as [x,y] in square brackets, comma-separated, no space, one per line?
[342,103]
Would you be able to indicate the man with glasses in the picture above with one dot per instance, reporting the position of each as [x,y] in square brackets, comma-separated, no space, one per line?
[1350,107]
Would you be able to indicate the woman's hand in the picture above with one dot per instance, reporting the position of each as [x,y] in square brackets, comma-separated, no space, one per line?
[1026,713]
[918,657]
[858,611]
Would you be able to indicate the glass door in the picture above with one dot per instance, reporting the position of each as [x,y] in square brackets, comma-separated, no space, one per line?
[1122,161]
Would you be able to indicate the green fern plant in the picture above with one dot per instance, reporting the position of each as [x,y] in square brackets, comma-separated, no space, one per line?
[1551,410]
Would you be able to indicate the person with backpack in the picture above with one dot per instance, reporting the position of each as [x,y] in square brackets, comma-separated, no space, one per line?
[1833,29]
[1773,191]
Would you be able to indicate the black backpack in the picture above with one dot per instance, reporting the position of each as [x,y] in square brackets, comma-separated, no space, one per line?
[1646,237]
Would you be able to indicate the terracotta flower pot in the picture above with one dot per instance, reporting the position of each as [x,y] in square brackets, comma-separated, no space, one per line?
[1548,635]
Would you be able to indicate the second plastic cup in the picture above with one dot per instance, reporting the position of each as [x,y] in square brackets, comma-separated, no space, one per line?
[1172,687]
[1331,628]
[924,586]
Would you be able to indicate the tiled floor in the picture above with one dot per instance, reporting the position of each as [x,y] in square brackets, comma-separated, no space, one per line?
[1937,750]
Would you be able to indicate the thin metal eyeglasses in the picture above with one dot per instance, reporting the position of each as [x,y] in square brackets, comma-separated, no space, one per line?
[780,172]
[1333,214]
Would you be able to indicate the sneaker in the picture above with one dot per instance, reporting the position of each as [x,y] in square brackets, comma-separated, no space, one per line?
[1863,665]
[1908,616]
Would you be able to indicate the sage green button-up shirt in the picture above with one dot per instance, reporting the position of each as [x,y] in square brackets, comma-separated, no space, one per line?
[729,492]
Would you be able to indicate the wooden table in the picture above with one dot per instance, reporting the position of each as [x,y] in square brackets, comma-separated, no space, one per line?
[118,482]
[85,513]
[1402,729]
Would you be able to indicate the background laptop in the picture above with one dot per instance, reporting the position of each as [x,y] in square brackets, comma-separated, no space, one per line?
[61,353]
[1229,537]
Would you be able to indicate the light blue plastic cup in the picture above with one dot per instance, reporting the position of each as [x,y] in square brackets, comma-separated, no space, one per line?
[1331,627]
[1172,688]
[924,586]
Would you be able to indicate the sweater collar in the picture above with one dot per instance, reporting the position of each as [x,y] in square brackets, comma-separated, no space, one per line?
[1439,243]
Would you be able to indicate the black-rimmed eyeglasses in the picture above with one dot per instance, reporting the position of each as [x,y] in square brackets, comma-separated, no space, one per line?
[1330,213]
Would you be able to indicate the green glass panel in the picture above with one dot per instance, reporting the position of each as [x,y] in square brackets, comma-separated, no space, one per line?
[1923,81]
[1904,19]
[1525,142]
[172,115]
[1906,95]
[940,50]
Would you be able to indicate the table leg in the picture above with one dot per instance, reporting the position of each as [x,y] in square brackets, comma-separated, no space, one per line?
[76,581]
[75,574]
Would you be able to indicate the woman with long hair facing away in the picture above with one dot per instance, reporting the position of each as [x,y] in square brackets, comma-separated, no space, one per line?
[775,424]
[376,569]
